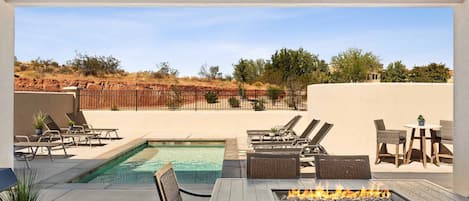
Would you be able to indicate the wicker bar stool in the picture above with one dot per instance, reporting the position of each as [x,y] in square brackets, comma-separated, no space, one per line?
[385,137]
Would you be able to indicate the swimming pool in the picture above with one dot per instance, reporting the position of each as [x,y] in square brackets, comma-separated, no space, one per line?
[193,163]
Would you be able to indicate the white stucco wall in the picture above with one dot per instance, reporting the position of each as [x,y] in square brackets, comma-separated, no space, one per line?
[7,35]
[353,107]
[461,69]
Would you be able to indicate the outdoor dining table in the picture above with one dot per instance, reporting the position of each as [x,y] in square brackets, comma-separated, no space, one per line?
[422,138]
[243,189]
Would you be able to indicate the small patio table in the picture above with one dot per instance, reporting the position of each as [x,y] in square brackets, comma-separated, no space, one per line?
[422,138]
[36,145]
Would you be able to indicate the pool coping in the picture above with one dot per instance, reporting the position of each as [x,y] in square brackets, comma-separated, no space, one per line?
[90,165]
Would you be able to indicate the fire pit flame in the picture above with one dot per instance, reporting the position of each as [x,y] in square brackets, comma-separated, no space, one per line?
[339,194]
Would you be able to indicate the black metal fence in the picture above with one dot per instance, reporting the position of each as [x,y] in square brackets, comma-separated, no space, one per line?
[189,100]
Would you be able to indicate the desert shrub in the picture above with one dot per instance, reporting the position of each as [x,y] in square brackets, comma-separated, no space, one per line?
[211,97]
[66,70]
[175,99]
[258,84]
[234,102]
[114,108]
[274,94]
[96,65]
[258,105]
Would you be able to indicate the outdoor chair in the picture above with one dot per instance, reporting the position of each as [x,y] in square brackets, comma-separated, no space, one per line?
[273,165]
[342,167]
[440,138]
[80,123]
[384,137]
[281,130]
[23,156]
[55,131]
[303,138]
[167,185]
[311,147]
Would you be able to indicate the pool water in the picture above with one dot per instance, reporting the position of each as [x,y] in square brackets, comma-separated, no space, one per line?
[192,163]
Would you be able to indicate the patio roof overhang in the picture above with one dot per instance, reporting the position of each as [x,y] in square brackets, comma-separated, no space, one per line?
[461,59]
[339,3]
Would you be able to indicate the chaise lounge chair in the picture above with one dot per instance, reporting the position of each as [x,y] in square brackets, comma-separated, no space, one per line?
[312,146]
[294,140]
[281,130]
[81,123]
[55,131]
[307,150]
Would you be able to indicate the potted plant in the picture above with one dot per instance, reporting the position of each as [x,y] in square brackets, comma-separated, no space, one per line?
[421,120]
[70,124]
[273,131]
[26,188]
[38,122]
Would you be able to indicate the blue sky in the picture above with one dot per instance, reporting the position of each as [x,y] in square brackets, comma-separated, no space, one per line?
[190,37]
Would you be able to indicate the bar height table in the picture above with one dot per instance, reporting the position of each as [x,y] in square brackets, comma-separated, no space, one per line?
[422,138]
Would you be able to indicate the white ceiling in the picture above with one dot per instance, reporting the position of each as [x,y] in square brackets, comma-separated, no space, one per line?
[292,3]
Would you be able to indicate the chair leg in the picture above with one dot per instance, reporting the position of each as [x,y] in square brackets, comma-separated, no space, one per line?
[437,154]
[404,156]
[396,156]
[377,153]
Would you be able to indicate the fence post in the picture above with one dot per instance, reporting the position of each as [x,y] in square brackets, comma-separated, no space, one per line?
[196,98]
[76,94]
[136,100]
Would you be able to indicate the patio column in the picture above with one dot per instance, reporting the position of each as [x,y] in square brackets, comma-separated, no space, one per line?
[7,54]
[461,99]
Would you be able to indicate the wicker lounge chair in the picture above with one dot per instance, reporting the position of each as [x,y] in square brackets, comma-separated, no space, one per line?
[55,131]
[168,187]
[342,167]
[273,165]
[263,135]
[81,123]
[385,136]
[440,138]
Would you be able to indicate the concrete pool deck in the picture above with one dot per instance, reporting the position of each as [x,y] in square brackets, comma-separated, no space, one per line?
[52,176]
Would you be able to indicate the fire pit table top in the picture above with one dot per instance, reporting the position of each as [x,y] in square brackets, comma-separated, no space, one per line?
[242,189]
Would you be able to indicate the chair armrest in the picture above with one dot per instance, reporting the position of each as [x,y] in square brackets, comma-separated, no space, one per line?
[389,132]
[79,127]
[22,137]
[57,132]
[194,194]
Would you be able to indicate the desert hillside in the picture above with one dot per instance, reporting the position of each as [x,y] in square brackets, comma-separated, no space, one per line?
[28,78]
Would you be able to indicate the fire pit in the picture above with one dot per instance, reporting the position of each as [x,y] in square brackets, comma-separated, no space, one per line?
[338,194]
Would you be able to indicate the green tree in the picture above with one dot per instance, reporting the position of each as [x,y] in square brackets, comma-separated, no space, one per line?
[432,72]
[165,70]
[353,65]
[96,65]
[210,73]
[395,72]
[248,70]
[294,70]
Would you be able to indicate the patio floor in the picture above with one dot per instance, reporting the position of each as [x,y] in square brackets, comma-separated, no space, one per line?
[52,175]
